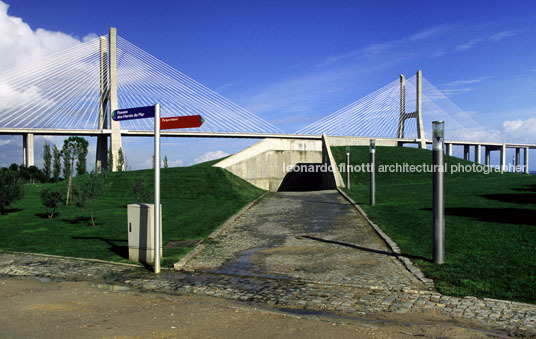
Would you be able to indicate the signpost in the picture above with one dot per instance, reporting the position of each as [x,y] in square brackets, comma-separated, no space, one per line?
[372,172]
[189,121]
[438,136]
[133,113]
[348,167]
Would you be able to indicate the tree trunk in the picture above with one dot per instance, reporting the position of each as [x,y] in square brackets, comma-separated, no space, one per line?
[91,216]
[70,185]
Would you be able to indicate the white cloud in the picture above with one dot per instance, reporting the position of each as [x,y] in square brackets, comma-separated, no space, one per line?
[501,35]
[19,43]
[210,156]
[466,46]
[466,81]
[522,130]
[5,142]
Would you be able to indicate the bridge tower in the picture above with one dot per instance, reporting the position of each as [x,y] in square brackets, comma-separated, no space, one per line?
[418,112]
[108,103]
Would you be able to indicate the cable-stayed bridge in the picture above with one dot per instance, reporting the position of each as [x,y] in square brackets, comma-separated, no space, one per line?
[73,92]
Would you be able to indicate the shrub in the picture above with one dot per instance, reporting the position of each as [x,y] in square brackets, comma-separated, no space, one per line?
[11,189]
[86,196]
[51,199]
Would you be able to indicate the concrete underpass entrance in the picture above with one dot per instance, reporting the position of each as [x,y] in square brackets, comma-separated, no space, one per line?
[305,177]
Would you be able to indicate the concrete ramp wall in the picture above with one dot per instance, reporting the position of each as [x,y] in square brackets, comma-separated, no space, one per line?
[263,164]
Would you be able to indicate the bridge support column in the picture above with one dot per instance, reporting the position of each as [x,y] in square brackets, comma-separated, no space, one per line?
[420,128]
[101,161]
[449,149]
[28,150]
[517,158]
[466,152]
[115,138]
[526,160]
[488,151]
[478,154]
[503,158]
[402,106]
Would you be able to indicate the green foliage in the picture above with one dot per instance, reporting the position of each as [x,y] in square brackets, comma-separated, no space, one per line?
[56,164]
[195,201]
[110,160]
[47,161]
[11,189]
[86,195]
[51,198]
[73,148]
[81,163]
[490,243]
[141,190]
[120,160]
[31,174]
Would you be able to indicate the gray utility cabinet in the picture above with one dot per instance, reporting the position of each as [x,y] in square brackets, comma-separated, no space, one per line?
[141,232]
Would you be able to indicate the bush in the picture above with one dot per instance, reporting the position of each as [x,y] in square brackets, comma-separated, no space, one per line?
[141,190]
[51,199]
[11,189]
[86,196]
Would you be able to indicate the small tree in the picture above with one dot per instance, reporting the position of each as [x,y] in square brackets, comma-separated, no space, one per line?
[86,196]
[47,160]
[81,162]
[120,160]
[56,165]
[110,159]
[73,148]
[51,199]
[11,189]
[140,190]
[165,162]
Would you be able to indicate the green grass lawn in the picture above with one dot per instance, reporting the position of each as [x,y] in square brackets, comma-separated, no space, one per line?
[195,200]
[490,223]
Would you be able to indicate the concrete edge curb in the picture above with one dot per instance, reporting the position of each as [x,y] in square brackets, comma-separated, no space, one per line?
[201,246]
[429,283]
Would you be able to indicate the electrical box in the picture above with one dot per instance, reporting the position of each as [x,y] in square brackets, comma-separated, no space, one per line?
[141,232]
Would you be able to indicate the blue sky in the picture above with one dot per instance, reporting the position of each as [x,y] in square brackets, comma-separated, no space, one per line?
[293,62]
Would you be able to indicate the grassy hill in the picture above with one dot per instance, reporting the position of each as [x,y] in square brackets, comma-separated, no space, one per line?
[490,222]
[195,200]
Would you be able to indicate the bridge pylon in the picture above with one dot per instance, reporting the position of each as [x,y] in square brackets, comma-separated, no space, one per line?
[418,109]
[108,104]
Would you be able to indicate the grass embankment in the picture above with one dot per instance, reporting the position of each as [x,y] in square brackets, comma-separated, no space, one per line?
[490,222]
[195,200]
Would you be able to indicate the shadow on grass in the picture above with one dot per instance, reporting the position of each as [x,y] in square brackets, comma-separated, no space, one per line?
[10,210]
[527,188]
[516,216]
[120,250]
[520,198]
[86,221]
[409,256]
[45,215]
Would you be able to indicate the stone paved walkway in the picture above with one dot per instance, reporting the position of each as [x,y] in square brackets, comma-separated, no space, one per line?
[311,236]
[242,265]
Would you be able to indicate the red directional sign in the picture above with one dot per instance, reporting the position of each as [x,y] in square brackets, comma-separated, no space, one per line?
[188,121]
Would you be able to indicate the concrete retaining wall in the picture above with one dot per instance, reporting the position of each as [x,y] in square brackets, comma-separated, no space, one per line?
[262,163]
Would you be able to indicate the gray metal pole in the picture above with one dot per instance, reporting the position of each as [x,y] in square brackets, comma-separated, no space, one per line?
[372,172]
[438,194]
[348,167]
[157,188]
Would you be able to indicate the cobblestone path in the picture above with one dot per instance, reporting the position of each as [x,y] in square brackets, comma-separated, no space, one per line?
[311,236]
[306,251]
